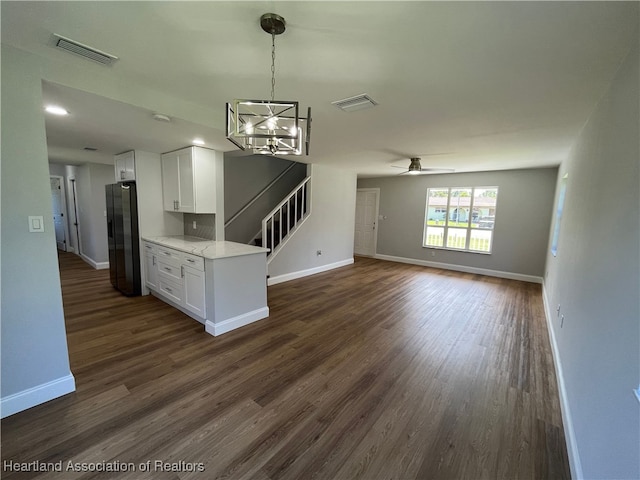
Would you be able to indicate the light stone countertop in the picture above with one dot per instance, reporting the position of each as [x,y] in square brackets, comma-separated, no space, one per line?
[206,248]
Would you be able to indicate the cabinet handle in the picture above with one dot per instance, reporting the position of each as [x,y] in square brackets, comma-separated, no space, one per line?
[167,253]
[167,269]
[190,261]
[181,271]
[168,289]
[176,205]
[154,260]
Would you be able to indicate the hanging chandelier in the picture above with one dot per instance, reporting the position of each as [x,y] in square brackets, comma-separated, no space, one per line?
[269,127]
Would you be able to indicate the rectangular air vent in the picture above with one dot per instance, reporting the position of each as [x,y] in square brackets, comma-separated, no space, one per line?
[359,102]
[85,51]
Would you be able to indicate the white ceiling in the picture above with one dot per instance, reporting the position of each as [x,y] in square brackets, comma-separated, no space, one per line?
[491,85]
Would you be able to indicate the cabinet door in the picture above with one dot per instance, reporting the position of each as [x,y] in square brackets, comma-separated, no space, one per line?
[129,166]
[125,167]
[185,179]
[151,270]
[194,297]
[170,182]
[205,179]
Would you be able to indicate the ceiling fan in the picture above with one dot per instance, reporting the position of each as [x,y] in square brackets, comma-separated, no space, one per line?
[415,168]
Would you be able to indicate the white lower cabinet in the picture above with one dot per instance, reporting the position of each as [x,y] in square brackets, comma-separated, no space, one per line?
[150,267]
[177,276]
[194,291]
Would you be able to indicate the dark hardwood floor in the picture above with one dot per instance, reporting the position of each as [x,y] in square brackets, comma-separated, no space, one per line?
[377,370]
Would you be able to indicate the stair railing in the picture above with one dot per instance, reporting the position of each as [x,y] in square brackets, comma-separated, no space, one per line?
[285,218]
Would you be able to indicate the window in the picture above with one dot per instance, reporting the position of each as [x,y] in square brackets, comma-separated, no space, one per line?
[460,218]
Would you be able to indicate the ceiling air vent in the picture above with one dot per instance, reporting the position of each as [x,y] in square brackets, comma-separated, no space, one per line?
[85,51]
[359,102]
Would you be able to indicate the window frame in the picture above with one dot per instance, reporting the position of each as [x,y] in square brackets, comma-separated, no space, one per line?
[469,228]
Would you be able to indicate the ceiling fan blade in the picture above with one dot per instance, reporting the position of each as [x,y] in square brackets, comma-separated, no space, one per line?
[398,166]
[438,169]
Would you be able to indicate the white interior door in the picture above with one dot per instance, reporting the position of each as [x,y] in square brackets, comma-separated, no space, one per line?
[366,221]
[59,221]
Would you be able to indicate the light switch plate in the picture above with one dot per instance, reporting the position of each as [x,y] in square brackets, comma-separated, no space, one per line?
[36,224]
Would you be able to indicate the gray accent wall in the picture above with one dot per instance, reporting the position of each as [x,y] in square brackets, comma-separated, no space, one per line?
[595,279]
[523,215]
[244,178]
[33,341]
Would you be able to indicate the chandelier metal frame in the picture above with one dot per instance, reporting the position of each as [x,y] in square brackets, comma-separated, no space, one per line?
[269,127]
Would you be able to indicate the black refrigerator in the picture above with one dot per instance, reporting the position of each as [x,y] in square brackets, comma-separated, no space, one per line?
[122,231]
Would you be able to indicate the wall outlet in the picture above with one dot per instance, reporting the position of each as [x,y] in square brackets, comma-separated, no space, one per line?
[433,253]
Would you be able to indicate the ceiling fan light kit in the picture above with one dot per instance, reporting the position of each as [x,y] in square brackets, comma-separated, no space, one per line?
[415,168]
[269,127]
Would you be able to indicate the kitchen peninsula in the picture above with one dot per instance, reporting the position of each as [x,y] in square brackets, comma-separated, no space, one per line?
[221,284]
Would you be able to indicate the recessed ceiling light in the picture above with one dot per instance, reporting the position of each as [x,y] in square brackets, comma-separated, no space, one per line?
[56,110]
[161,117]
[198,141]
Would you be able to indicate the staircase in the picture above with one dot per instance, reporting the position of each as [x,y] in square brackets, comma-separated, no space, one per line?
[285,219]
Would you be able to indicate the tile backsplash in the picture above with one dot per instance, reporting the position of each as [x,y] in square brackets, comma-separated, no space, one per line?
[205,225]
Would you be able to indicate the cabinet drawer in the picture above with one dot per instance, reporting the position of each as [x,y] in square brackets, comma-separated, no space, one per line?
[149,247]
[170,271]
[169,256]
[194,261]
[170,289]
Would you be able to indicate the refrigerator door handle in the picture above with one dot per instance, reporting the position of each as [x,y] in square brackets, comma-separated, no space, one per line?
[110,228]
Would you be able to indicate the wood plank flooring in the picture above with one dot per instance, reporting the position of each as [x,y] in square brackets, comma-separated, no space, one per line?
[377,370]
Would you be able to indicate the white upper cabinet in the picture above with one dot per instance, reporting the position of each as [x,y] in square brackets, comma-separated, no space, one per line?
[189,180]
[125,164]
[170,181]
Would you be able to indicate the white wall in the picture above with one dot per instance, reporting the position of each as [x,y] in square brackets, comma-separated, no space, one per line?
[153,219]
[91,203]
[329,228]
[35,363]
[34,349]
[523,214]
[95,212]
[595,279]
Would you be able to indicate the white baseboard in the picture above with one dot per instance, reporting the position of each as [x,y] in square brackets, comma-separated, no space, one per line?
[304,273]
[36,395]
[232,323]
[569,433]
[94,264]
[462,268]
